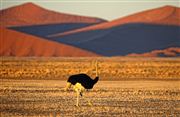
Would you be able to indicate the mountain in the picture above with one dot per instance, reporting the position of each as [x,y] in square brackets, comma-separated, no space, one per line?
[32,14]
[166,15]
[143,32]
[41,21]
[15,43]
[169,52]
[125,39]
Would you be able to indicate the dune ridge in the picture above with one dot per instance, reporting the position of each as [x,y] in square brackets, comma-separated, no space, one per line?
[166,15]
[32,14]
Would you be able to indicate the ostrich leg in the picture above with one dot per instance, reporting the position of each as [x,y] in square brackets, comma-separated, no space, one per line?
[79,90]
[88,99]
[77,100]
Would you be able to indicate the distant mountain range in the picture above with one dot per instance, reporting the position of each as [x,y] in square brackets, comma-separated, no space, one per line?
[153,32]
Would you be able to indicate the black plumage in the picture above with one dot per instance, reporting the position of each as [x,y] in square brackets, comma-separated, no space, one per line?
[81,82]
[83,79]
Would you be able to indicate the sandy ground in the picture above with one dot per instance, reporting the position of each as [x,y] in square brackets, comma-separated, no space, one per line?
[46,98]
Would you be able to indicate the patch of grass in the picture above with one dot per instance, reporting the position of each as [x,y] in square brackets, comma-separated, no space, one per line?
[109,68]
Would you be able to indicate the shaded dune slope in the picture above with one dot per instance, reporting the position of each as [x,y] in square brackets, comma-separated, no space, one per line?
[18,44]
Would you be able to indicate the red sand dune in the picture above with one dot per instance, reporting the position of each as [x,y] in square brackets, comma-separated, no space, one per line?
[169,52]
[19,44]
[167,15]
[31,14]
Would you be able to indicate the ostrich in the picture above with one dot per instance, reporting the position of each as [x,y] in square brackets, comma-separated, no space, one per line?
[81,82]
